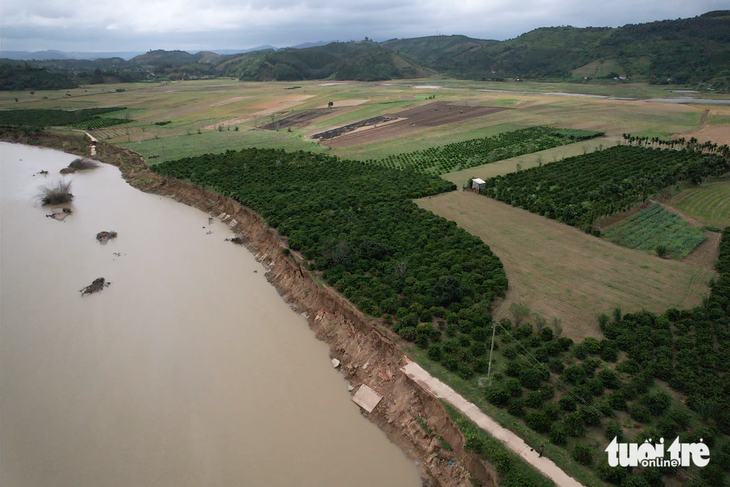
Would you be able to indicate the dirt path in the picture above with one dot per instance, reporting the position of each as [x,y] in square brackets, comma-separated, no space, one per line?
[441,391]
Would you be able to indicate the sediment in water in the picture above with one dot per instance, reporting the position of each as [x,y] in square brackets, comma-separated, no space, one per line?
[367,356]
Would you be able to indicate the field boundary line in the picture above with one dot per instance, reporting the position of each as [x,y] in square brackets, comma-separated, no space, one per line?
[438,389]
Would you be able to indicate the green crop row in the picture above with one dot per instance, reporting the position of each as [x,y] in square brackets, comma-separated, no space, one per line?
[475,152]
[655,228]
[99,123]
[52,118]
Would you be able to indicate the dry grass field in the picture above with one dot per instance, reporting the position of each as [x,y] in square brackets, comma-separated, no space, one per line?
[560,271]
[709,203]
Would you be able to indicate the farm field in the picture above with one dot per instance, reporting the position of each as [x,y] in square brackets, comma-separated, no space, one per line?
[474,152]
[204,105]
[527,161]
[709,203]
[560,271]
[582,189]
[413,120]
[654,229]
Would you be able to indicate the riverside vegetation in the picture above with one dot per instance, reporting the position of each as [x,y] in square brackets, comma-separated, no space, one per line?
[433,284]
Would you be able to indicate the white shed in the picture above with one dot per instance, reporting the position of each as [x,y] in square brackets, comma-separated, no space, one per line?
[477,184]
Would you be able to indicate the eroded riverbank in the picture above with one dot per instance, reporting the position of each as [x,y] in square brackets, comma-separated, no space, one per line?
[188,370]
[367,356]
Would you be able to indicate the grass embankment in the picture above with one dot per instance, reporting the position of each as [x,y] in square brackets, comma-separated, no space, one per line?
[658,230]
[514,470]
[561,271]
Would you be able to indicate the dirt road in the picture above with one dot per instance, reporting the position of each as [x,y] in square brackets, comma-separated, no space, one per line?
[437,388]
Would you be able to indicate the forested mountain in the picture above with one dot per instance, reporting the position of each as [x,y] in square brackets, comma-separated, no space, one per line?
[437,52]
[15,77]
[683,51]
[364,61]
[677,51]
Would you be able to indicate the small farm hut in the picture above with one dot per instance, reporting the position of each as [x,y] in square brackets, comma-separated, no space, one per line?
[477,184]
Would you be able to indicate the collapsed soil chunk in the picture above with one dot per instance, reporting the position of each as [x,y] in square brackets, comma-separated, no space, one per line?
[79,164]
[104,237]
[98,285]
[235,240]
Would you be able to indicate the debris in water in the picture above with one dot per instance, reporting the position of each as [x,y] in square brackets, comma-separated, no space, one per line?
[98,285]
[235,240]
[210,221]
[104,237]
[42,173]
[60,214]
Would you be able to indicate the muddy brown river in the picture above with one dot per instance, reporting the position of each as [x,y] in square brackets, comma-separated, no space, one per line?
[188,370]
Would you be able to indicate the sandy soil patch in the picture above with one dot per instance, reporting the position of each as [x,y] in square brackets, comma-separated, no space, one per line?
[560,271]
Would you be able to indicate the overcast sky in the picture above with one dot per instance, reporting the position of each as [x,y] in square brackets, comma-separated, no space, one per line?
[194,25]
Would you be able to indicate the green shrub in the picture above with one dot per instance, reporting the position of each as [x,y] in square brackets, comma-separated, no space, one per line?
[583,455]
[558,435]
[640,413]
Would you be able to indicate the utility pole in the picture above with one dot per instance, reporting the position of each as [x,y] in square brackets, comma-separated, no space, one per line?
[491,350]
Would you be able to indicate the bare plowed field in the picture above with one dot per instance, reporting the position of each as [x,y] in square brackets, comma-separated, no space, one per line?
[412,120]
[561,271]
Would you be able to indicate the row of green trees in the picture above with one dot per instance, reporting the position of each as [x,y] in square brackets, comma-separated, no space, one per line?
[565,390]
[39,118]
[582,189]
[475,152]
[356,224]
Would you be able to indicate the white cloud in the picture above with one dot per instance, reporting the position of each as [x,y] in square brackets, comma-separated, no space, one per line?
[186,24]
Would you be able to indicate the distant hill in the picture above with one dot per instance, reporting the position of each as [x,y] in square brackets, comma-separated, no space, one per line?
[684,51]
[364,61]
[438,52]
[678,51]
[50,55]
[17,78]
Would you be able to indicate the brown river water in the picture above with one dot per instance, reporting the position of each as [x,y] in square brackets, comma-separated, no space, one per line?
[188,370]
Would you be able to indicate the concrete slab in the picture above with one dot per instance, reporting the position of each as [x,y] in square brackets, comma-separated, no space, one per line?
[366,398]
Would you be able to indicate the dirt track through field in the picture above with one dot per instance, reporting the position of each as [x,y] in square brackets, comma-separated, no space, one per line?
[412,120]
[560,271]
